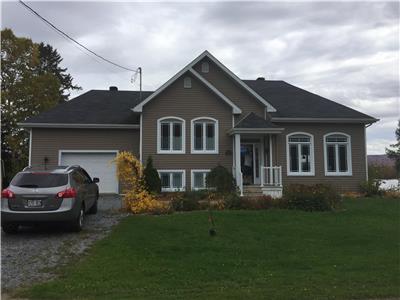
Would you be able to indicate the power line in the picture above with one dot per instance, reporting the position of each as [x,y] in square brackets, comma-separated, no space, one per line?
[73,40]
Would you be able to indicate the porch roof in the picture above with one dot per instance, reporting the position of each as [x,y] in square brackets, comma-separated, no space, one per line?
[253,123]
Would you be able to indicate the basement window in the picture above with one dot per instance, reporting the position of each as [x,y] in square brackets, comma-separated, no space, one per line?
[172,180]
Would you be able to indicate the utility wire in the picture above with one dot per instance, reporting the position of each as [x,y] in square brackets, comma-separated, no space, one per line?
[73,40]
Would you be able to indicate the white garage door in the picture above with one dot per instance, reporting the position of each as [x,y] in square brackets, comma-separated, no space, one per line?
[97,164]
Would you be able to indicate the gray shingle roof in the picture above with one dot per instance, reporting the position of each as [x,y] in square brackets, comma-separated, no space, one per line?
[114,107]
[293,102]
[95,107]
[254,121]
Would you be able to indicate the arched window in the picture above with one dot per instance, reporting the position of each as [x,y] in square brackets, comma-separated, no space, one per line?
[205,67]
[171,135]
[204,135]
[300,154]
[337,148]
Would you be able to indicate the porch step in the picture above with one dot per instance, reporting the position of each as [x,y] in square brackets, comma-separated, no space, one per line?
[256,191]
[252,190]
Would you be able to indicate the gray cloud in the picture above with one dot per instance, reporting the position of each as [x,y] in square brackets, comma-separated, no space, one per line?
[348,52]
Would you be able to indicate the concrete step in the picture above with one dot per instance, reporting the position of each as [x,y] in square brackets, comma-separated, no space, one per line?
[252,190]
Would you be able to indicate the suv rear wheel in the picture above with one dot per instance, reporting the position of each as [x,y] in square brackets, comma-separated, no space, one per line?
[93,209]
[10,228]
[77,224]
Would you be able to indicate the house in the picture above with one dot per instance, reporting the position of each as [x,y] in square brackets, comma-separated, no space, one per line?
[269,133]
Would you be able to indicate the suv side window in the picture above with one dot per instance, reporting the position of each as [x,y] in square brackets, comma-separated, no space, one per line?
[78,177]
[86,176]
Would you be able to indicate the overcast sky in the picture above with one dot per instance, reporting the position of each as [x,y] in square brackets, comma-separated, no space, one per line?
[347,52]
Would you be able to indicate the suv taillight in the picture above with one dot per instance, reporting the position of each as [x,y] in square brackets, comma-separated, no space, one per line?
[7,193]
[68,193]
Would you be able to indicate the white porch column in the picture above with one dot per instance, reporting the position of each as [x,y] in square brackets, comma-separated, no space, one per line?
[271,173]
[238,166]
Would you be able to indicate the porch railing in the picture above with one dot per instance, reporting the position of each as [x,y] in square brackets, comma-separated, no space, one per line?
[271,176]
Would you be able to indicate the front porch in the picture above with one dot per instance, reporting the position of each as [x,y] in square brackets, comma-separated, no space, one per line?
[254,151]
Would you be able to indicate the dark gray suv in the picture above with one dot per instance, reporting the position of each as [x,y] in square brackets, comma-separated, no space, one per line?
[64,193]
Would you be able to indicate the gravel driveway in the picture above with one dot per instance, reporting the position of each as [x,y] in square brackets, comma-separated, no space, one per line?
[32,254]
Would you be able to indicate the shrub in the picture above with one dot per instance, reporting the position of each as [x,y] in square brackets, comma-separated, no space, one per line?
[188,201]
[151,178]
[318,197]
[137,199]
[392,193]
[221,180]
[233,201]
[371,188]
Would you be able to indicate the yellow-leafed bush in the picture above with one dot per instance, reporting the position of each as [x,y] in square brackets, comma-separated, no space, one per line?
[137,199]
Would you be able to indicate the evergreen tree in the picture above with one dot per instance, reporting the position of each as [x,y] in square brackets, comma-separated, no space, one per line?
[395,153]
[152,180]
[49,62]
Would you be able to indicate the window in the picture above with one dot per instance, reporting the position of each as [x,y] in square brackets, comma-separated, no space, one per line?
[171,135]
[39,180]
[204,135]
[205,67]
[187,82]
[172,180]
[199,179]
[300,154]
[337,154]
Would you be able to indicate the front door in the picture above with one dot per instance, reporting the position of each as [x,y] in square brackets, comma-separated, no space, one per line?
[250,163]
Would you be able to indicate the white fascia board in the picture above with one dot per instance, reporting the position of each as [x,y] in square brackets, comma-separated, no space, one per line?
[139,107]
[66,125]
[324,120]
[235,109]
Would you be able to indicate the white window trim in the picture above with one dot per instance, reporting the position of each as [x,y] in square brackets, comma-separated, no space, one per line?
[349,160]
[204,151]
[170,178]
[312,161]
[171,151]
[192,171]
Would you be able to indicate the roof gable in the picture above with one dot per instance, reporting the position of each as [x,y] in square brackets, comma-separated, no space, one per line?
[189,68]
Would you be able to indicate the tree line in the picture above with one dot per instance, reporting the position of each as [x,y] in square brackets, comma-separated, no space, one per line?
[32,81]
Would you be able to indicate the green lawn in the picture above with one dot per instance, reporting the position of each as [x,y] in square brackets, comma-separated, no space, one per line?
[274,254]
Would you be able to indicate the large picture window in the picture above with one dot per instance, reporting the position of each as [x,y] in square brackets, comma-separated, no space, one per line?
[300,154]
[172,180]
[204,135]
[171,135]
[337,154]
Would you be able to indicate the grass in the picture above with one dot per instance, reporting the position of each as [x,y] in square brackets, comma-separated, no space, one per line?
[274,254]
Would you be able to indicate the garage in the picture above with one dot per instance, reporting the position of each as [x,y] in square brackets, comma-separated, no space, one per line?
[97,164]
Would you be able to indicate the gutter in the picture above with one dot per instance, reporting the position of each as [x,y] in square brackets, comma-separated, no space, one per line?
[255,130]
[325,120]
[65,125]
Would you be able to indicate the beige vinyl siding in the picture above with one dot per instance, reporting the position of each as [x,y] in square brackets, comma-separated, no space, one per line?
[46,142]
[343,183]
[226,85]
[187,103]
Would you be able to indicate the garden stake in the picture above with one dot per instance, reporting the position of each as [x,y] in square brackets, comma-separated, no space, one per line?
[212,230]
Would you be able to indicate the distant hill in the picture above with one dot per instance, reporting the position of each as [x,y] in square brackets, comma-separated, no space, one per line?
[381,160]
